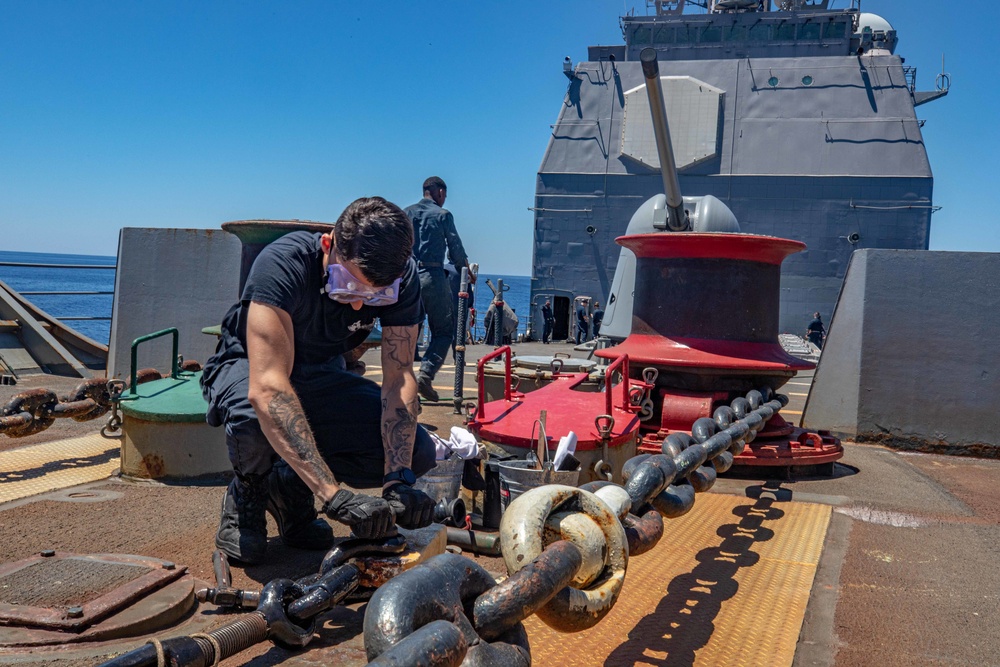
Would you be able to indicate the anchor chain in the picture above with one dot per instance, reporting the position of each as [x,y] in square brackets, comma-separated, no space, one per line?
[32,411]
[566,550]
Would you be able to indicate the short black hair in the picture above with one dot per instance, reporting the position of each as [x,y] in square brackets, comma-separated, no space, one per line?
[377,236]
[434,183]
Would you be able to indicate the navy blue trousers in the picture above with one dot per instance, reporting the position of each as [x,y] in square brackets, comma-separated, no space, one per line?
[344,412]
[438,300]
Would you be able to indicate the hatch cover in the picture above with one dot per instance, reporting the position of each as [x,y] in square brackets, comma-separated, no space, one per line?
[65,591]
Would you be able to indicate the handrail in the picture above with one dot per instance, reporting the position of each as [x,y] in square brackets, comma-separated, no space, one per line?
[75,318]
[623,362]
[175,367]
[63,293]
[481,373]
[61,266]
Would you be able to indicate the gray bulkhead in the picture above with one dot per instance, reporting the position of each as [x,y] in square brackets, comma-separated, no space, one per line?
[825,149]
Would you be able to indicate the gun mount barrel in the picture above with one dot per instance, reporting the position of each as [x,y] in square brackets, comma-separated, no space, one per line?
[676,220]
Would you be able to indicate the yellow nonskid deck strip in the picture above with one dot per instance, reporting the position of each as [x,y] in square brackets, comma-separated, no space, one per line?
[56,465]
[727,585]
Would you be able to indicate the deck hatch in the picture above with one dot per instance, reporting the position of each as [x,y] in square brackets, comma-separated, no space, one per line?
[67,591]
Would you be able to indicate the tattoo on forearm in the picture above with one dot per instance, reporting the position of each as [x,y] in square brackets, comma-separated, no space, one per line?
[399,343]
[398,433]
[290,420]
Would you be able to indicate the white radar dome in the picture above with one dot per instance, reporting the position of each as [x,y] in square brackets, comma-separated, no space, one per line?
[873,21]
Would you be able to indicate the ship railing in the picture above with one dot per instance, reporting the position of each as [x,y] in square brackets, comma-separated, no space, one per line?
[34,265]
[910,76]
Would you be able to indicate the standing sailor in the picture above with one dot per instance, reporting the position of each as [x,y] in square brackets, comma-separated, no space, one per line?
[433,233]
[816,332]
[597,318]
[548,321]
[582,328]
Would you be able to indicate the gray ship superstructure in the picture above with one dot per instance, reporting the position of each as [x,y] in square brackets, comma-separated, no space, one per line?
[799,117]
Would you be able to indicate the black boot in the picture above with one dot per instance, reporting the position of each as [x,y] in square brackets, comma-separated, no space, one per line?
[291,504]
[425,389]
[242,527]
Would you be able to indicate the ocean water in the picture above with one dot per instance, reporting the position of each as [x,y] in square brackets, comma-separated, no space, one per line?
[35,279]
[38,279]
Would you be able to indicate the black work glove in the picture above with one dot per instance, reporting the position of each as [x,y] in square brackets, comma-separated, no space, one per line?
[413,508]
[369,517]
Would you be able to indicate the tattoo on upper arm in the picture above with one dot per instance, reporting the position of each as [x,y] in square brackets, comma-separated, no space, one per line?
[289,418]
[399,343]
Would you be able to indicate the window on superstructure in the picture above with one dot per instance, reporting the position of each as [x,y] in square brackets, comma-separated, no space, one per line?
[809,31]
[641,36]
[686,34]
[760,33]
[736,33]
[711,34]
[785,32]
[664,35]
[834,30]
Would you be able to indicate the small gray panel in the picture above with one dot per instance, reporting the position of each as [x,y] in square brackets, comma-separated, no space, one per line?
[693,112]
[184,278]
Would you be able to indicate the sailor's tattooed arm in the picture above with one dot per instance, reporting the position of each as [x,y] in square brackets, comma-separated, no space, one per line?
[399,396]
[271,352]
[290,421]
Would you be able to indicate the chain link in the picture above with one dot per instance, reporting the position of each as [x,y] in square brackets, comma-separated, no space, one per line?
[35,410]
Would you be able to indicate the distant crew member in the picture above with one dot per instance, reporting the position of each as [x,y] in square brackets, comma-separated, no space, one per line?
[548,321]
[816,332]
[434,233]
[596,318]
[582,330]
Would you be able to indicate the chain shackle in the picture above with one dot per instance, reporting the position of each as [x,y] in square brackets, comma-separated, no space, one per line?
[115,390]
[330,589]
[287,633]
[604,424]
[547,514]
[604,469]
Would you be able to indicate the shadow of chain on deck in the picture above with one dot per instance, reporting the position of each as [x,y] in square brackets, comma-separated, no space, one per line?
[683,622]
[62,464]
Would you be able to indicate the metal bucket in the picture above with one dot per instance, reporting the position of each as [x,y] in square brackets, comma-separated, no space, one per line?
[516,477]
[443,482]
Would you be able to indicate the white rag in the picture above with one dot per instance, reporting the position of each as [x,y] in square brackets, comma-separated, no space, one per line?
[462,443]
[567,445]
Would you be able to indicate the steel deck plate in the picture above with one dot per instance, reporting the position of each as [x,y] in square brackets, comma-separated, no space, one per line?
[56,465]
[727,585]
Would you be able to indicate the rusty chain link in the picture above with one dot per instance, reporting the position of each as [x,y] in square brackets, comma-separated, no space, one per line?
[35,410]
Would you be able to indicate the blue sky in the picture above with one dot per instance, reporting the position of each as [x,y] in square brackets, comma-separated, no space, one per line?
[189,114]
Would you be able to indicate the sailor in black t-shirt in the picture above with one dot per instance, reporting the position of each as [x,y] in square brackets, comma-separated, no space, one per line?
[297,423]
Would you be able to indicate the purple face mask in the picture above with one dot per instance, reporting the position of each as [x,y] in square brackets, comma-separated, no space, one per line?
[343,287]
